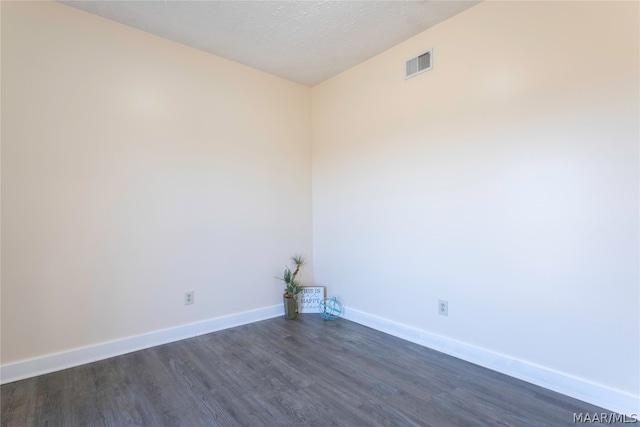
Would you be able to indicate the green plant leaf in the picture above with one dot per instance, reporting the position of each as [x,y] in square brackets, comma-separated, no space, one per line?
[292,286]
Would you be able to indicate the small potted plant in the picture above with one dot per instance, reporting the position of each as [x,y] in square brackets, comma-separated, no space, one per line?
[292,287]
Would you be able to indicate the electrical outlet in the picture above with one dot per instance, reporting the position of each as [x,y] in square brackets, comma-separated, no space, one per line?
[443,307]
[188,298]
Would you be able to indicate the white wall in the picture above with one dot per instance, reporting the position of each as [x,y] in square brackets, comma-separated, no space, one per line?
[505,181]
[134,169]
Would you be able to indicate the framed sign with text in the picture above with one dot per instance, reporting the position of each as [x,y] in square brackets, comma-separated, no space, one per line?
[309,298]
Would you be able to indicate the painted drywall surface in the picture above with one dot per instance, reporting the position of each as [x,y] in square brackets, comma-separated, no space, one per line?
[504,180]
[134,169]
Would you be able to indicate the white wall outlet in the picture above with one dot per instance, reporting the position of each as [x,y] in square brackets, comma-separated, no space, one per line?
[443,307]
[188,298]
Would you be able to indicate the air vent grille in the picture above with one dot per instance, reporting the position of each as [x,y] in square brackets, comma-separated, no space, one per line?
[418,64]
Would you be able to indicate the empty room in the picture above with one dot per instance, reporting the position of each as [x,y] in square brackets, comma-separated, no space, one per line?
[316,213]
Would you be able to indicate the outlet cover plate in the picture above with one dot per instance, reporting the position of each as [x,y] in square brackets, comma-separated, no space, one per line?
[188,298]
[443,307]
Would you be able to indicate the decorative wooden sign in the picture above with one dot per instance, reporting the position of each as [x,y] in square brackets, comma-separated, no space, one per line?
[309,298]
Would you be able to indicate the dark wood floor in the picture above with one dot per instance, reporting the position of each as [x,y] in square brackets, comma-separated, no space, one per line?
[278,372]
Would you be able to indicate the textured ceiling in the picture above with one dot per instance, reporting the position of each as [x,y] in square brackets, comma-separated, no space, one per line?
[303,41]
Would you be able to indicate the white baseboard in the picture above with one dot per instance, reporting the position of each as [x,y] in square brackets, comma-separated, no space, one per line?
[79,356]
[597,394]
[579,388]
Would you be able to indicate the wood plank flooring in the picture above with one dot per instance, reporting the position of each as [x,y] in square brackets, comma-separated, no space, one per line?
[278,372]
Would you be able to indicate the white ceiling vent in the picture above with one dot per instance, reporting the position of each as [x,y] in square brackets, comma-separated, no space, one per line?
[418,64]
